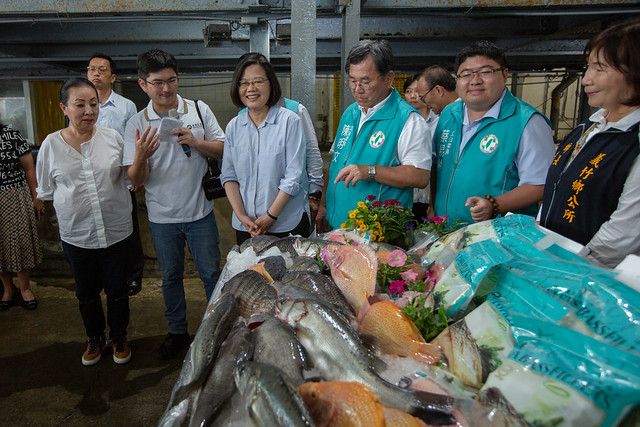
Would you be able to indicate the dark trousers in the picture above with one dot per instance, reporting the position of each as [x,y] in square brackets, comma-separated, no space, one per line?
[136,256]
[420,210]
[303,228]
[93,271]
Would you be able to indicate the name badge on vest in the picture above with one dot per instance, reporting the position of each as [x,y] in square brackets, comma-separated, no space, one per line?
[488,144]
[377,139]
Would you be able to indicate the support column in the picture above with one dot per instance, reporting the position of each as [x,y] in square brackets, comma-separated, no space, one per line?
[350,36]
[259,38]
[303,54]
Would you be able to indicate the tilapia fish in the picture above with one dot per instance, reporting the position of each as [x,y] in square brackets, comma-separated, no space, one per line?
[342,403]
[257,243]
[397,333]
[219,386]
[271,400]
[354,269]
[284,244]
[335,350]
[276,344]
[252,291]
[462,353]
[213,330]
[320,285]
[310,247]
[302,263]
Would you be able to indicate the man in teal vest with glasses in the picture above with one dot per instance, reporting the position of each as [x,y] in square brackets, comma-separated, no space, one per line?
[492,149]
[382,146]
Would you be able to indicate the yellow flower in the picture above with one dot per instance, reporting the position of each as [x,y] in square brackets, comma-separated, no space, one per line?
[361,234]
[343,225]
[361,205]
[373,237]
[363,226]
[352,214]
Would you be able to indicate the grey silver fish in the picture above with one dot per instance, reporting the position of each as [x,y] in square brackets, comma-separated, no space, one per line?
[213,330]
[275,266]
[295,293]
[258,243]
[219,386]
[302,263]
[284,244]
[319,284]
[252,291]
[271,400]
[336,350]
[310,247]
[276,344]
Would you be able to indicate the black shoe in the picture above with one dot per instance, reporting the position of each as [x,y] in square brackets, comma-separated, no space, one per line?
[15,300]
[135,286]
[173,344]
[32,304]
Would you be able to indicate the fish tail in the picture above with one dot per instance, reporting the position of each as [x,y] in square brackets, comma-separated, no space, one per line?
[428,353]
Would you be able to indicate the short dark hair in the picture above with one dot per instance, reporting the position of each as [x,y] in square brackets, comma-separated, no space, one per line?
[380,50]
[619,47]
[250,59]
[153,61]
[112,64]
[481,48]
[409,81]
[437,75]
[70,84]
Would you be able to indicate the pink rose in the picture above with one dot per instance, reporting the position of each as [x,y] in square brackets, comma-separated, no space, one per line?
[396,258]
[396,287]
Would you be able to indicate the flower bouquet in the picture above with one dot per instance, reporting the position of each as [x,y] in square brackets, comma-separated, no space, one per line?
[383,222]
[412,289]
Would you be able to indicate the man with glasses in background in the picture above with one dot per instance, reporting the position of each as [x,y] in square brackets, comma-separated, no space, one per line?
[115,111]
[382,146]
[493,150]
[178,209]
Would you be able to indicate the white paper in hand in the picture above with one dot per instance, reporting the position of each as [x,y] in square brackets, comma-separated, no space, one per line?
[167,125]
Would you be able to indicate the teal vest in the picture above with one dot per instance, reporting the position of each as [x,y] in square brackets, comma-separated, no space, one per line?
[485,166]
[375,144]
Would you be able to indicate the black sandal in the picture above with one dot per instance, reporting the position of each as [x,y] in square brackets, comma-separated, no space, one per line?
[31,304]
[4,305]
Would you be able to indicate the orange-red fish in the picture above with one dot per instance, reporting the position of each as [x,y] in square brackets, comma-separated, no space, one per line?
[397,333]
[344,404]
[354,269]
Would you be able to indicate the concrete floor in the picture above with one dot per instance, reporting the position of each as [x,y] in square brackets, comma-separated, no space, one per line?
[42,379]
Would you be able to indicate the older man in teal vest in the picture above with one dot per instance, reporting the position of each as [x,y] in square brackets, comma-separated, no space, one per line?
[382,146]
[492,149]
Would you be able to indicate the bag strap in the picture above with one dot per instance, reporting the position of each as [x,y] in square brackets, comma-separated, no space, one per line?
[214,169]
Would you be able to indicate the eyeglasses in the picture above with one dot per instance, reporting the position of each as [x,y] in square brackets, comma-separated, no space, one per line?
[257,83]
[422,96]
[364,84]
[160,83]
[101,69]
[466,76]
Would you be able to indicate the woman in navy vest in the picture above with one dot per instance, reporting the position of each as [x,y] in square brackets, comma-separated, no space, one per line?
[592,192]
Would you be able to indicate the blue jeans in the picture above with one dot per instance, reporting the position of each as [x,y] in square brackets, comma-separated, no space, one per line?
[168,240]
[97,269]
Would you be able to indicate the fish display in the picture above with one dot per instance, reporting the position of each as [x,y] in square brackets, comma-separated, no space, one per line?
[303,263]
[397,418]
[269,397]
[252,291]
[310,247]
[284,244]
[397,333]
[213,330]
[257,243]
[340,403]
[219,385]
[337,352]
[318,284]
[276,344]
[354,269]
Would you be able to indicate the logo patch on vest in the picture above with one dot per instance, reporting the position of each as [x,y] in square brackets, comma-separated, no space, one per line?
[377,139]
[488,144]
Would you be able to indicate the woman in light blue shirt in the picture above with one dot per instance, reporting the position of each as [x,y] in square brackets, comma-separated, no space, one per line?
[263,167]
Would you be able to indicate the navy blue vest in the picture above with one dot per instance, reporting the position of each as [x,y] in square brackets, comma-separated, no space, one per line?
[578,200]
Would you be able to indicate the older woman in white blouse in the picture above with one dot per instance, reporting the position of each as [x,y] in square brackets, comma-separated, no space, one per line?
[80,169]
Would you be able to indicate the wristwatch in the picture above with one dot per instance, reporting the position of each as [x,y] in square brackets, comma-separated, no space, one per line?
[372,172]
[316,195]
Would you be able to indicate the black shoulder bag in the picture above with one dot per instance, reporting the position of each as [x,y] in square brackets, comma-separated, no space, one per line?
[211,184]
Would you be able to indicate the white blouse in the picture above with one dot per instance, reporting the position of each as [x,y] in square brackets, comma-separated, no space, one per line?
[88,189]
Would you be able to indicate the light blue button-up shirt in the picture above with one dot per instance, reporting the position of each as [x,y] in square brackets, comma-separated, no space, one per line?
[264,160]
[115,113]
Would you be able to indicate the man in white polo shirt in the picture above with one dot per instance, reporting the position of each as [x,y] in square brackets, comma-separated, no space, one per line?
[177,206]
